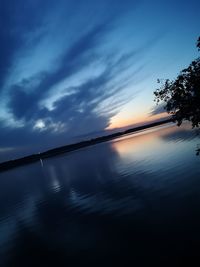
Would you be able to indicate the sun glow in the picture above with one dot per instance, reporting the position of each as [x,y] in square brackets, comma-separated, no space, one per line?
[118,122]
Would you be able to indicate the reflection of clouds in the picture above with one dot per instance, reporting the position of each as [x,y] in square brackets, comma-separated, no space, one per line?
[25,213]
[143,144]
[103,204]
[133,143]
[162,150]
[76,199]
[20,192]
[53,180]
[180,134]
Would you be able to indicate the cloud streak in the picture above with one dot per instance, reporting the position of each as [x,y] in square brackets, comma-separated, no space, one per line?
[63,72]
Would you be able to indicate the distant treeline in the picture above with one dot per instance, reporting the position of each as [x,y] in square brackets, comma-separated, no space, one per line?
[67,148]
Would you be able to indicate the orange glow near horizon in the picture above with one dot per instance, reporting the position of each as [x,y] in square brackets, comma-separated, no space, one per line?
[117,122]
[142,142]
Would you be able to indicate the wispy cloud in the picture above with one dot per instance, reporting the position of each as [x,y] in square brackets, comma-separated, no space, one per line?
[158,109]
[66,71]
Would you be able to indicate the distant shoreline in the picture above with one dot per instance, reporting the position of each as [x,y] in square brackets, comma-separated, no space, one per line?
[71,147]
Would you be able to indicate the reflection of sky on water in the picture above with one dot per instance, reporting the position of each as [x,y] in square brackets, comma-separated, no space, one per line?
[80,201]
[165,148]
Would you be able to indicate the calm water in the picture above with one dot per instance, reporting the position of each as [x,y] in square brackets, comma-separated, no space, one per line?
[134,201]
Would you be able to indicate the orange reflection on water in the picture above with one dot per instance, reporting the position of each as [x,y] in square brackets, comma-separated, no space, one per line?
[145,142]
[135,142]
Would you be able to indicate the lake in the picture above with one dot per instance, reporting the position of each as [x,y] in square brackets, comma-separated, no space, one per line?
[133,201]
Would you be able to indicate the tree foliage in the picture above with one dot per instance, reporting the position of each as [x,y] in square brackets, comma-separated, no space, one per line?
[182,95]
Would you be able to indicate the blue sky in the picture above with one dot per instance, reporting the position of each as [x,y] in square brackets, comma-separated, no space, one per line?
[69,68]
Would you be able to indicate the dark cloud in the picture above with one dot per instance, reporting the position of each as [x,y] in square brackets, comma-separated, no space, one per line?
[75,113]
[82,33]
[23,104]
[15,24]
[158,109]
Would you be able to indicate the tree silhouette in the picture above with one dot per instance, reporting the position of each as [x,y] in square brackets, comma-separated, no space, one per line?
[182,95]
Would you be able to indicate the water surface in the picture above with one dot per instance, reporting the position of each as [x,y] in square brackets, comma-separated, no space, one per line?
[133,201]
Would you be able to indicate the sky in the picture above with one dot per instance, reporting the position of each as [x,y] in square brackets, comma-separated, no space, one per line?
[70,69]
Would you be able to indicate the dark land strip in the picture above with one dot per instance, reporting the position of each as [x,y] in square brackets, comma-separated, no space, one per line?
[71,147]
